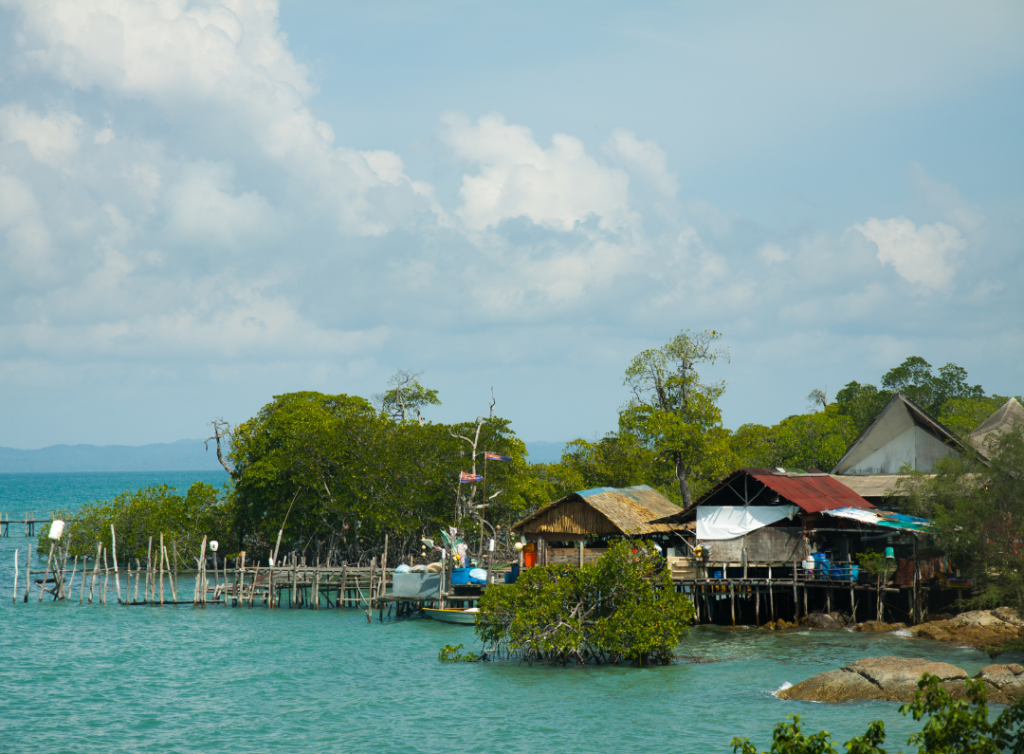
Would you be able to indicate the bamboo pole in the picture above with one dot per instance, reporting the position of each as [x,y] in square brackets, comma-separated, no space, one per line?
[28,571]
[14,599]
[160,557]
[199,590]
[106,577]
[172,576]
[369,602]
[293,602]
[81,592]
[344,576]
[174,548]
[138,568]
[95,571]
[150,586]
[113,552]
[46,573]
[252,589]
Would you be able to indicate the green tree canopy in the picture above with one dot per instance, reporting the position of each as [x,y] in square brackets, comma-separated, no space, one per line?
[674,413]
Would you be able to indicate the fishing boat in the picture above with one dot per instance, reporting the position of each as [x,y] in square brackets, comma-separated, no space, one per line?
[452,615]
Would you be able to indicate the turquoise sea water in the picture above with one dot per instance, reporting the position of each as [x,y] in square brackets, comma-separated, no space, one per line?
[88,678]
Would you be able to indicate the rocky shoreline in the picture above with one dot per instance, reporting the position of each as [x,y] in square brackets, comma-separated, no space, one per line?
[894,679]
[981,629]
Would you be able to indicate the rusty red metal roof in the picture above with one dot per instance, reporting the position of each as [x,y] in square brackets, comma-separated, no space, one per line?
[813,493]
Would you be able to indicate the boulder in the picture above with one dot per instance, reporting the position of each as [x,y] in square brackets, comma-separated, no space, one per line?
[978,628]
[891,679]
[822,620]
[1005,682]
[877,626]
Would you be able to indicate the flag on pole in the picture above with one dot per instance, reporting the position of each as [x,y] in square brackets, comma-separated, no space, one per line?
[495,457]
[467,477]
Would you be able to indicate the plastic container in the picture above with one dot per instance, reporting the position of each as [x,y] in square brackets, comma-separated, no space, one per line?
[460,576]
[529,559]
[718,574]
[510,577]
[477,576]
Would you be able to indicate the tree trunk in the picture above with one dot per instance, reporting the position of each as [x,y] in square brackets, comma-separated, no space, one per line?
[684,484]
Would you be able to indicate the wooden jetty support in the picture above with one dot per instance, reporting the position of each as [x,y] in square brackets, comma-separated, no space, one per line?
[790,593]
[26,519]
[293,583]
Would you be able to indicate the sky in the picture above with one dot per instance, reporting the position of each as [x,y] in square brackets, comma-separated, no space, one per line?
[206,204]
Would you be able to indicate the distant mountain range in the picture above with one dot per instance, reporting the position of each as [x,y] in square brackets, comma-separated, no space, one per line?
[183,455]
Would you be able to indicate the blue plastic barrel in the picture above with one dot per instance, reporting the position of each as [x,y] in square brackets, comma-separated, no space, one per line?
[460,576]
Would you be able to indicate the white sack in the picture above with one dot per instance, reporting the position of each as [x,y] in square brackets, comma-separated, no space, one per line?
[729,521]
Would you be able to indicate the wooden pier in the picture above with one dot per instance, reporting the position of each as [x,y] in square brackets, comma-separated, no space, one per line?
[26,519]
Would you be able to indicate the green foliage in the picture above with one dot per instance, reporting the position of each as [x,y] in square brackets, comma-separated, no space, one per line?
[876,564]
[137,516]
[352,475]
[674,413]
[954,726]
[979,512]
[807,441]
[618,609]
[451,653]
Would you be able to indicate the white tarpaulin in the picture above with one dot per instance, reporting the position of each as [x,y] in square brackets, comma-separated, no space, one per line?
[729,521]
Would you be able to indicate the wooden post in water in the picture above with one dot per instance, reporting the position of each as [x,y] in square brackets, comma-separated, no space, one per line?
[240,580]
[149,571]
[344,576]
[369,602]
[95,571]
[732,601]
[172,574]
[757,607]
[796,604]
[28,571]
[160,557]
[138,568]
[174,578]
[46,573]
[252,589]
[14,599]
[113,552]
[81,592]
[106,577]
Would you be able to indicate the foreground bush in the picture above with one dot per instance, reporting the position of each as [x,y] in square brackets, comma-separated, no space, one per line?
[619,609]
[955,726]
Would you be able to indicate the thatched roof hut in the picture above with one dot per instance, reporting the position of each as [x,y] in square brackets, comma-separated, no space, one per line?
[601,511]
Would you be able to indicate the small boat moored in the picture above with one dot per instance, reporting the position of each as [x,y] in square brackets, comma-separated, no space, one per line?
[451,615]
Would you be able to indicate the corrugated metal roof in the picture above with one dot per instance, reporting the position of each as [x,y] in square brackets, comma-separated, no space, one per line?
[812,492]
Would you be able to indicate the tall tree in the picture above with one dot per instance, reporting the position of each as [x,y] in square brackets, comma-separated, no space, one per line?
[979,511]
[674,412]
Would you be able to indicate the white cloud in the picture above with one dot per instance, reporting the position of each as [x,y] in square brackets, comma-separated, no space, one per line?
[556,187]
[25,243]
[924,255]
[644,158]
[50,139]
[202,209]
[228,62]
[772,253]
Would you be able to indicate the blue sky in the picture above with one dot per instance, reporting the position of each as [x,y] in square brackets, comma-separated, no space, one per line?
[206,204]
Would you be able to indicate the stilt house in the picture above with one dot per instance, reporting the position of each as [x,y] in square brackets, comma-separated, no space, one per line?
[577,527]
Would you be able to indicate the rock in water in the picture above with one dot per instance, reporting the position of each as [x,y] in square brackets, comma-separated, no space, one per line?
[1006,682]
[877,626]
[894,679]
[891,679]
[822,620]
[979,628]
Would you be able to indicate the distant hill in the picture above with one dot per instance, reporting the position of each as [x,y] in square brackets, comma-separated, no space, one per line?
[544,452]
[183,455]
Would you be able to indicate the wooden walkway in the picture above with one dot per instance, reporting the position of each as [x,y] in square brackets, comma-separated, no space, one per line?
[25,519]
